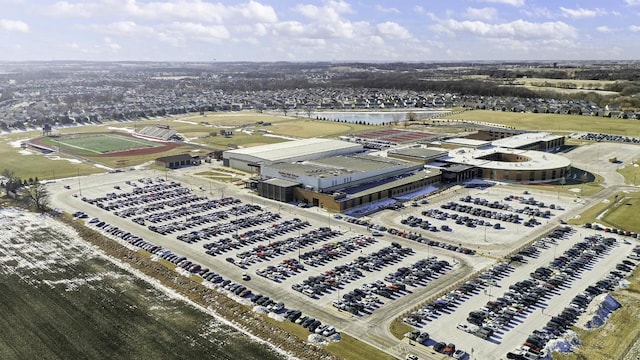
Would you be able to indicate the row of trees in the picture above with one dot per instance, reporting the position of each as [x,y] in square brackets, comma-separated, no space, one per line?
[31,191]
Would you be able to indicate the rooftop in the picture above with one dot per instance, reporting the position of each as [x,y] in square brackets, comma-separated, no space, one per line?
[285,150]
[340,165]
[538,160]
[420,153]
[525,139]
[466,142]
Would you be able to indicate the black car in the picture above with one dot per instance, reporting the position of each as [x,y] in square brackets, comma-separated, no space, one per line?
[439,347]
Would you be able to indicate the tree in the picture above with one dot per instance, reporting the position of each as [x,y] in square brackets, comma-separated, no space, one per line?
[38,196]
[11,182]
[411,116]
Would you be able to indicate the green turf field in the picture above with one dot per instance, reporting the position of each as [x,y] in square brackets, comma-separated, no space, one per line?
[96,144]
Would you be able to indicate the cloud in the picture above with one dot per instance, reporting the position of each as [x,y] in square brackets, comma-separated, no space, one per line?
[180,10]
[393,30]
[517,3]
[383,9]
[13,25]
[65,8]
[175,33]
[632,2]
[581,13]
[486,13]
[537,12]
[419,9]
[518,29]
[111,44]
[634,28]
[604,29]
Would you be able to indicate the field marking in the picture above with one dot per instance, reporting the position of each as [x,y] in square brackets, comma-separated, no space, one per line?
[75,146]
[147,144]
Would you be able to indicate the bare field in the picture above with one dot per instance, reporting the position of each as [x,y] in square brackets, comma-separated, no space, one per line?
[62,299]
[553,122]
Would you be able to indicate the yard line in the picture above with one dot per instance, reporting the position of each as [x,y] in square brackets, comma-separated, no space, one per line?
[77,147]
[130,140]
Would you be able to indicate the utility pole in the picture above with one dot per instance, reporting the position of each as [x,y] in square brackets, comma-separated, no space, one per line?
[79,187]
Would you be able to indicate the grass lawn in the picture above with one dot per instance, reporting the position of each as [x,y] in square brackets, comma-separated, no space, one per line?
[353,349]
[29,164]
[553,122]
[619,215]
[398,329]
[631,173]
[624,214]
[305,128]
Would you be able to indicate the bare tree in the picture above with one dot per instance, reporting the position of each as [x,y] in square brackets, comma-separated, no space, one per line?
[411,116]
[10,182]
[38,196]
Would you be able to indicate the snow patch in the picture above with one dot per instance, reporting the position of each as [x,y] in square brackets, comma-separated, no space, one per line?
[280,137]
[125,129]
[25,152]
[564,344]
[608,304]
[56,157]
[575,190]
[186,122]
[317,339]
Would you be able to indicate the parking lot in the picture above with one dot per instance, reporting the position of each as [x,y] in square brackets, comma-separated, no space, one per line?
[333,268]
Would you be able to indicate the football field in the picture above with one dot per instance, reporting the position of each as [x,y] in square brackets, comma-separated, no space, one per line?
[98,144]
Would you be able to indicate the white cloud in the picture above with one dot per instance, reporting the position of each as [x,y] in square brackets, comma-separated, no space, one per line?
[518,29]
[634,28]
[111,44]
[632,2]
[581,13]
[175,33]
[13,25]
[393,30]
[604,29]
[179,10]
[419,9]
[486,13]
[506,2]
[537,12]
[387,9]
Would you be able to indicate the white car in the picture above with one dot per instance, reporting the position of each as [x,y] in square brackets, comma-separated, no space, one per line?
[463,327]
[459,354]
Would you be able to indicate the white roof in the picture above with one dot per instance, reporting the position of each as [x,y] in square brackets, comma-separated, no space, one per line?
[538,160]
[520,140]
[467,142]
[296,148]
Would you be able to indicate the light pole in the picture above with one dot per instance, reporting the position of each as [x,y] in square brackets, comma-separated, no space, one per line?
[79,187]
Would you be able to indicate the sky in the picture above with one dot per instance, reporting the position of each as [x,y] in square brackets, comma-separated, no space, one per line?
[319,30]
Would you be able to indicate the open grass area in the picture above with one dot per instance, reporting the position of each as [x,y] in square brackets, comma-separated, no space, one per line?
[29,164]
[553,122]
[623,214]
[399,328]
[353,349]
[613,213]
[305,128]
[618,335]
[631,172]
[60,299]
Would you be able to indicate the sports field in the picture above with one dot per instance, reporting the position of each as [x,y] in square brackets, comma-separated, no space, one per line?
[98,143]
